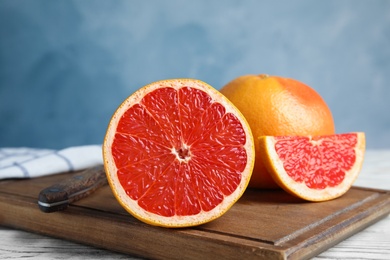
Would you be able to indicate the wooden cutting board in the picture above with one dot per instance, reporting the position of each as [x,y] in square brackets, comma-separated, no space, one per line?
[261,225]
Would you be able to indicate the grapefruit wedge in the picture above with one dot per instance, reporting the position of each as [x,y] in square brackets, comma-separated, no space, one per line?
[177,153]
[316,168]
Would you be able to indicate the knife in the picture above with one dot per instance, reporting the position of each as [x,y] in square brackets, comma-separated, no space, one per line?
[58,196]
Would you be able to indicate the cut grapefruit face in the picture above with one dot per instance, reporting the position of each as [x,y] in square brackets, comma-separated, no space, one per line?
[177,153]
[314,168]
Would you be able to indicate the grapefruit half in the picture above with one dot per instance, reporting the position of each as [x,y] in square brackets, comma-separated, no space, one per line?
[177,153]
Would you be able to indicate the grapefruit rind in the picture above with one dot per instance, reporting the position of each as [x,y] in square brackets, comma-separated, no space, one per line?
[130,205]
[275,167]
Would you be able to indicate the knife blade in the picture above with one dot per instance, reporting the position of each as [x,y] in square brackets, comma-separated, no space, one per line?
[58,196]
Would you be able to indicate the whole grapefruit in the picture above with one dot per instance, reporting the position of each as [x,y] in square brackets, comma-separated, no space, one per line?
[277,106]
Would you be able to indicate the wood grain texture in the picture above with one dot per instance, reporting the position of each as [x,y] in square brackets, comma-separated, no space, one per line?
[370,243]
[276,224]
[21,244]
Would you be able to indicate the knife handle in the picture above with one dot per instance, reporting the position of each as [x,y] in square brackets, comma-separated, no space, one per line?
[58,196]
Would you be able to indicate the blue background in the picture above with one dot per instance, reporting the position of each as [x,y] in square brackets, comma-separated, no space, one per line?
[65,66]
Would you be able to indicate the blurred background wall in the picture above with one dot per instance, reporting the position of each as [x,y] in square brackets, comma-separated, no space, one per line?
[65,66]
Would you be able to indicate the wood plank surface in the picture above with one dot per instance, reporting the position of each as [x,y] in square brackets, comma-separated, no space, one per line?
[263,224]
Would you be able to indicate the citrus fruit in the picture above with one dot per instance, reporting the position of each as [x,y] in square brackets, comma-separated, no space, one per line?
[177,153]
[314,168]
[275,106]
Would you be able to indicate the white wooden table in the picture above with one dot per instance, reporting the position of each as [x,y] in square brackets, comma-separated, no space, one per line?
[371,243]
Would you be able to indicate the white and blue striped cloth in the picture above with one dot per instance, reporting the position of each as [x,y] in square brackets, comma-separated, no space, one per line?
[31,162]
